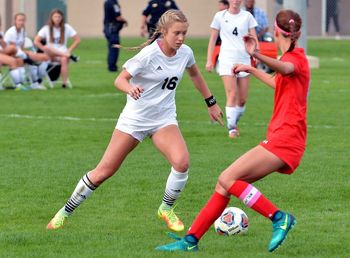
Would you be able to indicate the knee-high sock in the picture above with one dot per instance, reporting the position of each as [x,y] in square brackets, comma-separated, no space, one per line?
[175,184]
[253,198]
[42,69]
[210,212]
[34,73]
[17,75]
[231,116]
[240,112]
[81,192]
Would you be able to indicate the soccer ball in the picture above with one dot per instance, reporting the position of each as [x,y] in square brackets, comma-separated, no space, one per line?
[232,221]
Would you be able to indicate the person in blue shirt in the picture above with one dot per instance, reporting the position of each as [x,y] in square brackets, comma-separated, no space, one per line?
[260,17]
[112,24]
[152,13]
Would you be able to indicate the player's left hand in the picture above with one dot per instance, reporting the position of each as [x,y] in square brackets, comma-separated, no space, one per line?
[216,114]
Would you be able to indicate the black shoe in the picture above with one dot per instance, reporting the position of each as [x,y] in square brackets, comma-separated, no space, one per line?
[114,69]
[64,86]
[74,58]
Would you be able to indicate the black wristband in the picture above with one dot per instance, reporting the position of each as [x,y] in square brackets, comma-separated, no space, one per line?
[211,101]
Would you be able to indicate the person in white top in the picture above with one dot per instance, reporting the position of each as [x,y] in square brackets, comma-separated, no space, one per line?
[55,35]
[232,24]
[15,65]
[15,39]
[150,80]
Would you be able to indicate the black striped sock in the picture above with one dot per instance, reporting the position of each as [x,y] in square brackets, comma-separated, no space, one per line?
[82,191]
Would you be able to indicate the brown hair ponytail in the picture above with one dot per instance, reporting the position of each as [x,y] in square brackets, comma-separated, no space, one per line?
[289,24]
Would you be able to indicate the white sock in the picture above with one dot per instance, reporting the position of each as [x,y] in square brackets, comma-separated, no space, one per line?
[81,192]
[175,184]
[240,111]
[231,116]
[34,73]
[17,75]
[42,69]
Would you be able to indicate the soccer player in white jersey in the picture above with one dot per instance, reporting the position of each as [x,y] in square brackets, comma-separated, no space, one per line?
[232,24]
[56,34]
[150,79]
[15,39]
[15,65]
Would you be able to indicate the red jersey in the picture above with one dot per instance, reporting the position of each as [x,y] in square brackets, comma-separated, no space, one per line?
[288,122]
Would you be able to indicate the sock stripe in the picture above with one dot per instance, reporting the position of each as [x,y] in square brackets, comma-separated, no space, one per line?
[245,192]
[88,183]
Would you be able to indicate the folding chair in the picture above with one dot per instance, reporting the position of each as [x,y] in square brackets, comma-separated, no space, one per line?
[53,73]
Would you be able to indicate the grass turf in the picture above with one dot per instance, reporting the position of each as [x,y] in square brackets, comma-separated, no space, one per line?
[49,139]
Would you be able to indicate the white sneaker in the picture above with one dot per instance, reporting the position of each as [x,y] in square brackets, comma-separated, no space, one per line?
[37,86]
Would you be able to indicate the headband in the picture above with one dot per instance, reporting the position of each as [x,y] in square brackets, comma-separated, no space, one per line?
[283,31]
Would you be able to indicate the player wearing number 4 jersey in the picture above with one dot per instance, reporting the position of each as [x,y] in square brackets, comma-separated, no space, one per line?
[232,24]
[150,79]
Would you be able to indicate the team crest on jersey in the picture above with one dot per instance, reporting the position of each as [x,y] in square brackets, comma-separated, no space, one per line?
[155,5]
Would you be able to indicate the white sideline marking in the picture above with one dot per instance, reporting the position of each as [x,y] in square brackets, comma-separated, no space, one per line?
[94,119]
[67,118]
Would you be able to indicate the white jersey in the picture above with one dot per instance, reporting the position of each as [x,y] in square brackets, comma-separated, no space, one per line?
[232,28]
[12,36]
[69,32]
[159,76]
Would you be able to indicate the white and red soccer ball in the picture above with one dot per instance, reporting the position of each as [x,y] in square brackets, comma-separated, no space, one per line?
[231,222]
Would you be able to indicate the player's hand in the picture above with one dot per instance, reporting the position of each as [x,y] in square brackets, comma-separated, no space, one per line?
[209,66]
[241,68]
[250,43]
[216,114]
[135,92]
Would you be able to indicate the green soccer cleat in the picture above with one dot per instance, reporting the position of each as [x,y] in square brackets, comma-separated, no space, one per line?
[168,215]
[282,223]
[57,221]
[187,244]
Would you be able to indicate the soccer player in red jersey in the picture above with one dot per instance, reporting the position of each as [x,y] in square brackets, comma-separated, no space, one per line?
[281,151]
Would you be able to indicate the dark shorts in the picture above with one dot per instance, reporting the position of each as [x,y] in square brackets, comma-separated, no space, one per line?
[291,154]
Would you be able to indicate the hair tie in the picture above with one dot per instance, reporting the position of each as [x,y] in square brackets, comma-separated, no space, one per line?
[291,21]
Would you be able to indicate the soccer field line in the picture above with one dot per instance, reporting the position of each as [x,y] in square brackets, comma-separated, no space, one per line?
[94,119]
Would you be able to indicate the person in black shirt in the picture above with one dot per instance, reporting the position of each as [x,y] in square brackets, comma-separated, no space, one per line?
[152,13]
[112,24]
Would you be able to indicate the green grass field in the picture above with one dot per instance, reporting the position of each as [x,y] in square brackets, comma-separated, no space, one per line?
[49,139]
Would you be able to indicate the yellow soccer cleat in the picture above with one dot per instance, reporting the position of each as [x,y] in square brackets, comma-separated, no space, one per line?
[173,222]
[57,221]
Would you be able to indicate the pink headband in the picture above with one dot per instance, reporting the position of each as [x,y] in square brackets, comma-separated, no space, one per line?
[283,31]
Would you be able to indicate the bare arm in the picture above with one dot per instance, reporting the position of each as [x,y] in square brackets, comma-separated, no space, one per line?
[76,42]
[38,44]
[211,46]
[284,68]
[262,76]
[214,111]
[122,84]
[251,45]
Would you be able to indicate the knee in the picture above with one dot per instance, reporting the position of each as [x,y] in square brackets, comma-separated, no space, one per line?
[225,182]
[100,174]
[181,163]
